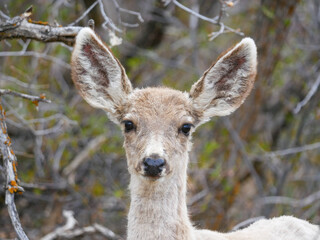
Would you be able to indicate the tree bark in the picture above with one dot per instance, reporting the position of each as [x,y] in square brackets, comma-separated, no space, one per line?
[22,27]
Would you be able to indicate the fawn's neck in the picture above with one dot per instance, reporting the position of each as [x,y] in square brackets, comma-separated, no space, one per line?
[158,209]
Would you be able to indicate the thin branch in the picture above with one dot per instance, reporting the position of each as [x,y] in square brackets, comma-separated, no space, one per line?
[214,20]
[84,14]
[214,35]
[37,55]
[82,157]
[45,186]
[312,91]
[221,11]
[70,231]
[10,163]
[295,150]
[246,223]
[62,123]
[197,197]
[71,222]
[240,146]
[23,27]
[3,15]
[21,83]
[50,118]
[108,21]
[34,99]
[120,9]
[300,203]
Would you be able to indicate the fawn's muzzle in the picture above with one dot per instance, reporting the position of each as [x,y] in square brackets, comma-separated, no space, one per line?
[153,166]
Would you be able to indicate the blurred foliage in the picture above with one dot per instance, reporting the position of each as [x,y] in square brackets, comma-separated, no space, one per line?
[264,124]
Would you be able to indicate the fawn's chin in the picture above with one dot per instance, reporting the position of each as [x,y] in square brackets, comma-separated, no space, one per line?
[152,178]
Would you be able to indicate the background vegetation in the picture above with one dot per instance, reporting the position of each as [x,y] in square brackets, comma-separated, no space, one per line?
[263,160]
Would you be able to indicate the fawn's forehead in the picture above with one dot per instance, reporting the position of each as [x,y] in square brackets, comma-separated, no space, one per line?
[159,103]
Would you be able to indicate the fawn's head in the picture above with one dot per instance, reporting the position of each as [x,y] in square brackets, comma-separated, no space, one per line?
[158,122]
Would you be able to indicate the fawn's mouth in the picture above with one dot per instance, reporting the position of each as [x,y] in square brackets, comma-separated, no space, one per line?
[152,178]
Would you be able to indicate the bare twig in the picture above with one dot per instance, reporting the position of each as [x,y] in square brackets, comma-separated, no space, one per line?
[214,35]
[197,197]
[39,157]
[10,163]
[215,20]
[246,223]
[312,91]
[3,15]
[221,12]
[82,157]
[62,123]
[57,158]
[240,146]
[70,224]
[34,99]
[120,9]
[45,186]
[70,231]
[37,55]
[84,14]
[300,203]
[23,27]
[295,150]
[107,20]
[20,83]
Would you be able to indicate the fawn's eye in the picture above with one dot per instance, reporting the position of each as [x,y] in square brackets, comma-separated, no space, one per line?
[185,128]
[128,126]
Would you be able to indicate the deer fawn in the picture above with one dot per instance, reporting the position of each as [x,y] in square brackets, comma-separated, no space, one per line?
[157,124]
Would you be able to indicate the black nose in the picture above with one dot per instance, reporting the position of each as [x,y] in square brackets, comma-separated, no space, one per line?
[153,166]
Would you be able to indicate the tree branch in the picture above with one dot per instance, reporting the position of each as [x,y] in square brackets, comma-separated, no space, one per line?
[300,203]
[216,20]
[34,99]
[82,157]
[10,163]
[70,231]
[295,150]
[247,223]
[241,148]
[24,28]
[312,91]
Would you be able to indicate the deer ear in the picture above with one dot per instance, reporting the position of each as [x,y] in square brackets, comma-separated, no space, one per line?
[97,74]
[227,83]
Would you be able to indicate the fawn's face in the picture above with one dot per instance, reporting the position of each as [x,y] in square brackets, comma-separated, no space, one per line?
[157,122]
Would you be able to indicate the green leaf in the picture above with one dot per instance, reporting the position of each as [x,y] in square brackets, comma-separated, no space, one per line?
[267,12]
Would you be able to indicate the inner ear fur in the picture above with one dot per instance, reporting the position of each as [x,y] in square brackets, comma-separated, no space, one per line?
[227,83]
[97,73]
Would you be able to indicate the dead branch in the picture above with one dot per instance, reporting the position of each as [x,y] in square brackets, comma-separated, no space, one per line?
[84,14]
[241,148]
[295,150]
[20,83]
[24,28]
[10,165]
[216,20]
[45,186]
[246,223]
[300,203]
[34,99]
[312,91]
[82,157]
[45,56]
[70,231]
[134,13]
